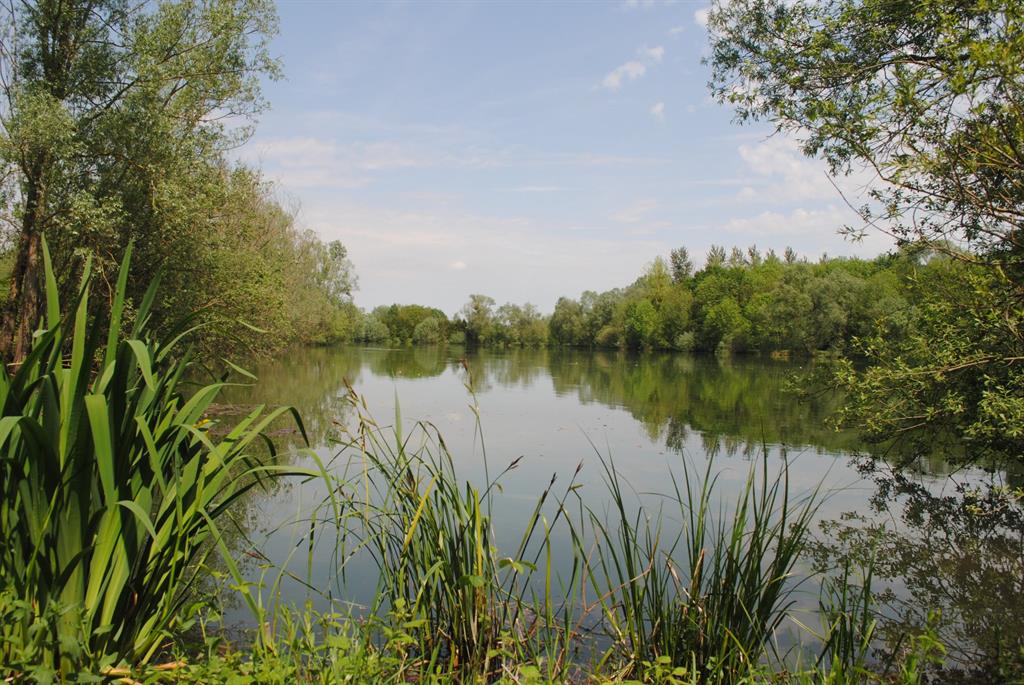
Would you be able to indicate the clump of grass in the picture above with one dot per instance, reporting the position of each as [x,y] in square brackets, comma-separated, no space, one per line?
[707,599]
[469,608]
[847,609]
[111,488]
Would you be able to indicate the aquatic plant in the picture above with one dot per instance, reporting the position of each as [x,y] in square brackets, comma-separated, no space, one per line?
[443,580]
[111,488]
[709,597]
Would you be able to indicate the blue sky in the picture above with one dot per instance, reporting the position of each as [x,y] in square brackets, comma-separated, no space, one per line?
[524,150]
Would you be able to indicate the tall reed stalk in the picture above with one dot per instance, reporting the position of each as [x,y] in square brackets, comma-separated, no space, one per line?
[431,536]
[111,488]
[709,597]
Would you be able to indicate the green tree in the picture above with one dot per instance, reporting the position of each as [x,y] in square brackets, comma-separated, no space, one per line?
[682,265]
[641,324]
[567,325]
[715,258]
[403,319]
[725,327]
[114,119]
[430,331]
[335,275]
[478,315]
[930,97]
[372,330]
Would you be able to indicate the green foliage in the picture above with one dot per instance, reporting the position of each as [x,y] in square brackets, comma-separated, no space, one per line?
[402,321]
[111,487]
[750,301]
[510,325]
[567,324]
[682,265]
[372,330]
[122,133]
[927,95]
[930,98]
[478,319]
[430,331]
[951,374]
[640,324]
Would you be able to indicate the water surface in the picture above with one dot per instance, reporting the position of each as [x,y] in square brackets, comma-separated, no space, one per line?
[559,412]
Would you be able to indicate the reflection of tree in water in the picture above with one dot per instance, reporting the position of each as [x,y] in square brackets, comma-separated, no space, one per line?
[736,406]
[960,552]
[312,380]
[408,362]
[506,368]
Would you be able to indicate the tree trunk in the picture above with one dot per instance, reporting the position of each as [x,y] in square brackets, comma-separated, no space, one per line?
[21,316]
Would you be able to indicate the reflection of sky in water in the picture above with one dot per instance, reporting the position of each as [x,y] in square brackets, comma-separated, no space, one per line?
[555,410]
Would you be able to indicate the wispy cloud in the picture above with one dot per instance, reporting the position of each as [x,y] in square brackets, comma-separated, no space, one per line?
[307,162]
[448,253]
[800,221]
[785,174]
[536,189]
[636,212]
[811,230]
[675,31]
[634,68]
[701,16]
[637,4]
[658,111]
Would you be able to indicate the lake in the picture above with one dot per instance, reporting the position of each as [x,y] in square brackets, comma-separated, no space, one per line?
[560,413]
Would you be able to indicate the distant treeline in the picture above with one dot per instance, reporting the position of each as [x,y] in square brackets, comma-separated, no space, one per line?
[742,300]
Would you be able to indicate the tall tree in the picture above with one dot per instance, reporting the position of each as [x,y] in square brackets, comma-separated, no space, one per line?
[114,115]
[478,315]
[682,265]
[930,96]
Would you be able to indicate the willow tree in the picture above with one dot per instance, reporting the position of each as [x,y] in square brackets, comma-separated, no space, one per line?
[114,118]
[929,95]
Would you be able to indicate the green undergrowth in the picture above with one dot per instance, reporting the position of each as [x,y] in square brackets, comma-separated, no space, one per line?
[317,648]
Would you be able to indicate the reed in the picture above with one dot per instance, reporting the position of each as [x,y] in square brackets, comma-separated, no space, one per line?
[111,488]
[708,598]
[847,609]
[469,608]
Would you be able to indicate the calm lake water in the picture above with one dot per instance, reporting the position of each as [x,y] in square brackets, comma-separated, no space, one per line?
[556,410]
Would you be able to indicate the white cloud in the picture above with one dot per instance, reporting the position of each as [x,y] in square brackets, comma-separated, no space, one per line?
[306,162]
[811,231]
[676,30]
[782,173]
[658,111]
[654,54]
[797,222]
[636,212]
[701,16]
[634,68]
[404,256]
[631,70]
